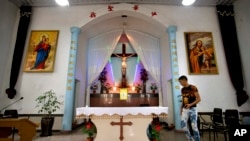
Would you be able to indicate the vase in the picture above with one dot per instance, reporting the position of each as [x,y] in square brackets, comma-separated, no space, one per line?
[46,126]
[94,91]
[90,139]
[153,91]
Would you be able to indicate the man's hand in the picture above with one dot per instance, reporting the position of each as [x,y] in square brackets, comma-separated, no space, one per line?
[187,106]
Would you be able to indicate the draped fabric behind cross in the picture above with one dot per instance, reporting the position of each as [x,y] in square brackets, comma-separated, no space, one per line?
[100,49]
[148,49]
[102,46]
[231,48]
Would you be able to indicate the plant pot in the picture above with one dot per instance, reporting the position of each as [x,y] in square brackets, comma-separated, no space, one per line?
[46,126]
[90,139]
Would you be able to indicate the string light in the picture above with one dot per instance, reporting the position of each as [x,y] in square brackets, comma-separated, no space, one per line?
[62,2]
[187,2]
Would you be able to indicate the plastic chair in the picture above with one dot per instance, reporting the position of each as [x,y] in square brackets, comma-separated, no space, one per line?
[216,119]
[232,118]
[218,124]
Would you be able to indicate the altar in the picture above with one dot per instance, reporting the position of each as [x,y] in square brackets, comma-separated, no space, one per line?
[121,123]
[132,100]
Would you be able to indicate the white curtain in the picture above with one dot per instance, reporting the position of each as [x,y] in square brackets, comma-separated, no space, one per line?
[148,49]
[100,49]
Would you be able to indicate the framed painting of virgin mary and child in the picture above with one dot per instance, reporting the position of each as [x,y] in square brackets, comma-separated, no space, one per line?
[200,53]
[41,51]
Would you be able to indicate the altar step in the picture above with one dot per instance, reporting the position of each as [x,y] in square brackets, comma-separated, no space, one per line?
[77,135]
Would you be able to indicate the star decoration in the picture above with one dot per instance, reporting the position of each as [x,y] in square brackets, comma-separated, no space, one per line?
[92,15]
[153,13]
[110,8]
[136,7]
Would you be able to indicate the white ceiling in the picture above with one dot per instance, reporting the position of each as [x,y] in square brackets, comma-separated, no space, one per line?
[114,20]
[86,2]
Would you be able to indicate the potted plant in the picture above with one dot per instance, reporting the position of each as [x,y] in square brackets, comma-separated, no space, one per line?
[153,87]
[154,129]
[90,129]
[144,79]
[47,104]
[102,78]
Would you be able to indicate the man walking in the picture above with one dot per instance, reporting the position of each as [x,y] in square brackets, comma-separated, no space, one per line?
[190,99]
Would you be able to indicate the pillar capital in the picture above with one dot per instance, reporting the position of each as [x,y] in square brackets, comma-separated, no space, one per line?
[75,29]
[172,29]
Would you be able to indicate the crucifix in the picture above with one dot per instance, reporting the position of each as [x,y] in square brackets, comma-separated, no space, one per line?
[121,124]
[124,56]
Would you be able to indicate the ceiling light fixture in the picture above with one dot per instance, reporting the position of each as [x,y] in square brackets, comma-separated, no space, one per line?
[62,2]
[187,2]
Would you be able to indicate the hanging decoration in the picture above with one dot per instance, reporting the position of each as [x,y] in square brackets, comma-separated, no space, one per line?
[110,8]
[136,7]
[92,15]
[153,14]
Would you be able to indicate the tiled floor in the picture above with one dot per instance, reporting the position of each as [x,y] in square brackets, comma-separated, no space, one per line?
[77,135]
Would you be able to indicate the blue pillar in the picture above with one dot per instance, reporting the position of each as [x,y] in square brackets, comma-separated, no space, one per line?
[69,97]
[175,75]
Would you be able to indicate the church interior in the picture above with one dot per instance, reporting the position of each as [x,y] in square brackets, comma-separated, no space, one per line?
[108,69]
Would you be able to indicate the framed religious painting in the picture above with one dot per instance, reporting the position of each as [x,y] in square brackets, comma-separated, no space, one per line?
[201,58]
[41,51]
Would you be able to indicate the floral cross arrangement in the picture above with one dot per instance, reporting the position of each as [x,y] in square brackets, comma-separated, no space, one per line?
[94,86]
[153,86]
[154,129]
[89,128]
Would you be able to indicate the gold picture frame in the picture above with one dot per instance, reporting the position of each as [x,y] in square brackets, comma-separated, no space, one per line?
[200,53]
[41,52]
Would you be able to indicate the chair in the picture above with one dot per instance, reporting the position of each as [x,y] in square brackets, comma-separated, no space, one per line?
[232,118]
[245,120]
[218,124]
[232,121]
[216,117]
[11,114]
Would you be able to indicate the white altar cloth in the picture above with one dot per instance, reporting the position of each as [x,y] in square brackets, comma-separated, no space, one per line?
[140,117]
[122,111]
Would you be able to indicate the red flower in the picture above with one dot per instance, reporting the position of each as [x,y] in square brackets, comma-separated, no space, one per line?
[110,8]
[158,127]
[92,15]
[89,125]
[136,7]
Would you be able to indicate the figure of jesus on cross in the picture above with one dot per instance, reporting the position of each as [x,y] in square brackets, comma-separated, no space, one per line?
[124,56]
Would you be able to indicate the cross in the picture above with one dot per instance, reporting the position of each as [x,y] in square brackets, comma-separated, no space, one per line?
[121,123]
[124,56]
[124,52]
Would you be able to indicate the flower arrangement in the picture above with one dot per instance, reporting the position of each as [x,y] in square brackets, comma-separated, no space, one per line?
[154,129]
[144,75]
[102,77]
[94,86]
[138,87]
[107,86]
[90,129]
[153,86]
